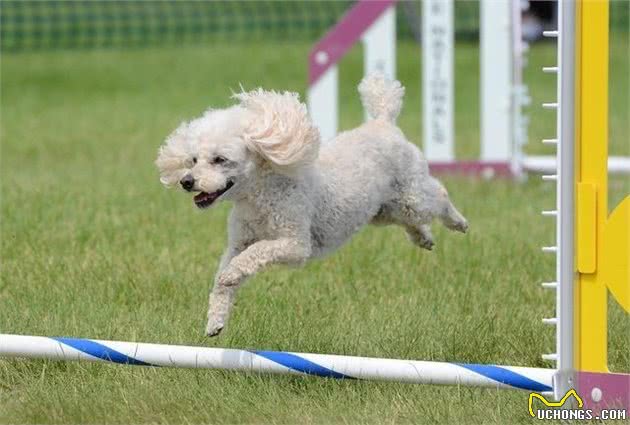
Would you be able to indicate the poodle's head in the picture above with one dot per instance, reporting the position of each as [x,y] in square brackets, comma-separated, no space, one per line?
[220,155]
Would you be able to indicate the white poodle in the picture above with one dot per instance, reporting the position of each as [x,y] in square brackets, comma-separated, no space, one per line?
[294,199]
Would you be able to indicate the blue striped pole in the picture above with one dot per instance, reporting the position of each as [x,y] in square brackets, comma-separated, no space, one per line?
[325,365]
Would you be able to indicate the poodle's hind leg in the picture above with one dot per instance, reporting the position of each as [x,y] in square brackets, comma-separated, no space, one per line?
[436,203]
[420,235]
[453,219]
[396,213]
[420,201]
[426,199]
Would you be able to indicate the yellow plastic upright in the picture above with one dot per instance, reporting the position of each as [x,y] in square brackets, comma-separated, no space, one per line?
[602,242]
[592,151]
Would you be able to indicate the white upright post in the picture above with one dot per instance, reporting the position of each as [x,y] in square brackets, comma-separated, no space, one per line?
[379,43]
[520,96]
[379,46]
[437,80]
[496,81]
[323,104]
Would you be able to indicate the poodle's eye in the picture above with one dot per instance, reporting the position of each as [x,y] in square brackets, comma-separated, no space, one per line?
[194,159]
[218,160]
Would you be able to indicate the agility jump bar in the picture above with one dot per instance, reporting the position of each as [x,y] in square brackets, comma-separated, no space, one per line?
[323,365]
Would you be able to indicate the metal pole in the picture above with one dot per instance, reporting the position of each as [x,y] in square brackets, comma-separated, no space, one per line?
[566,197]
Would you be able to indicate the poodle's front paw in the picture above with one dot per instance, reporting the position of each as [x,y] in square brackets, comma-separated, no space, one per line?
[231,276]
[216,323]
[214,328]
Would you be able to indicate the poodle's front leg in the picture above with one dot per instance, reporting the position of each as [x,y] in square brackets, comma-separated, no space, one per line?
[221,297]
[252,260]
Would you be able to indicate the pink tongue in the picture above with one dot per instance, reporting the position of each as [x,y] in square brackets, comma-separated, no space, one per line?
[202,197]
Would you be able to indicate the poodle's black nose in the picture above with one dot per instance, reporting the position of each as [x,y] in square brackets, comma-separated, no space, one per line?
[188,182]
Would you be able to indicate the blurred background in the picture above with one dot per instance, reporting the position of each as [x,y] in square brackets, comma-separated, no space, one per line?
[76,24]
[94,246]
[160,37]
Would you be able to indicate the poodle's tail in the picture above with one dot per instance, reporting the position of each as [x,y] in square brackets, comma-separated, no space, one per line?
[381,97]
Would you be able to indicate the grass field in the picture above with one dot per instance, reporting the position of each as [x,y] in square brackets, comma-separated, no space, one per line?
[94,246]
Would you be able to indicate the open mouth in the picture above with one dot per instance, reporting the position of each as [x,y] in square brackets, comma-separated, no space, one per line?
[205,199]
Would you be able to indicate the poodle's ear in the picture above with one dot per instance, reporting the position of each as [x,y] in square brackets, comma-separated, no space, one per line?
[280,129]
[172,157]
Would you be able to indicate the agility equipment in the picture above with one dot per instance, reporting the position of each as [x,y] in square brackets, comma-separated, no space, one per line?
[592,251]
[324,365]
[503,95]
[592,247]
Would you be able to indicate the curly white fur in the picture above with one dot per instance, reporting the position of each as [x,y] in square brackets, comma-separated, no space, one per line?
[294,200]
[381,98]
[281,131]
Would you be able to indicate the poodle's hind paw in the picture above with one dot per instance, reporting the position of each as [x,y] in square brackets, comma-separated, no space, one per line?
[427,244]
[455,221]
[422,238]
[460,226]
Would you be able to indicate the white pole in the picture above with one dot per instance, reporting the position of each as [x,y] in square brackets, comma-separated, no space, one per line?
[325,365]
[496,80]
[379,43]
[520,96]
[379,46]
[437,80]
[372,22]
[547,164]
[323,103]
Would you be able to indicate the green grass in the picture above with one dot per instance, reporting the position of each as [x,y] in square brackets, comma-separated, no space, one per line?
[93,246]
